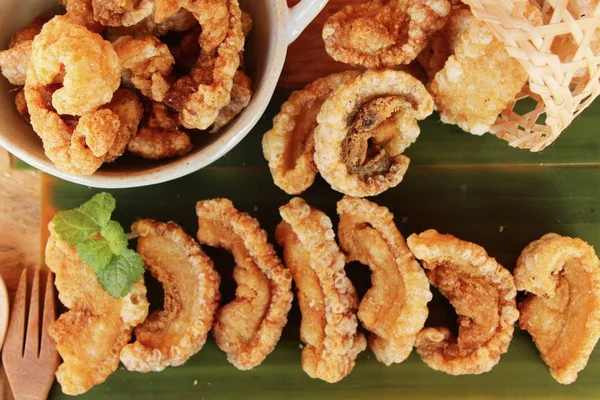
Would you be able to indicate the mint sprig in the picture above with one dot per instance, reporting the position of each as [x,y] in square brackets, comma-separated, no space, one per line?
[101,243]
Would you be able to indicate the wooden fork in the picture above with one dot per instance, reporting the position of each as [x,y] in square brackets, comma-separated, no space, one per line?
[30,357]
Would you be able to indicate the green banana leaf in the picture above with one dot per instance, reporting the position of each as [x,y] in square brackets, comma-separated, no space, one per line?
[477,188]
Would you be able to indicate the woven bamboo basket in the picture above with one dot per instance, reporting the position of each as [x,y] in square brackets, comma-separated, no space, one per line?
[560,87]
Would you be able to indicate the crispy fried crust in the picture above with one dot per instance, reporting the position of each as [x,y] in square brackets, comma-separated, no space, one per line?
[241,93]
[90,336]
[327,299]
[395,308]
[201,95]
[249,327]
[483,295]
[81,12]
[561,310]
[383,33]
[160,137]
[171,335]
[21,105]
[181,21]
[69,53]
[342,152]
[147,65]
[127,106]
[473,77]
[289,146]
[121,12]
[13,62]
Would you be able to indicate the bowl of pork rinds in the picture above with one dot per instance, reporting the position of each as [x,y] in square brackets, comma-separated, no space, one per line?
[138,92]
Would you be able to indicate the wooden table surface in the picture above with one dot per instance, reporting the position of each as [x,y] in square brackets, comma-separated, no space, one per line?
[20,191]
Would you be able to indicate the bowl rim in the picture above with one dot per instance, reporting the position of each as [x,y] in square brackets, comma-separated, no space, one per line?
[179,167]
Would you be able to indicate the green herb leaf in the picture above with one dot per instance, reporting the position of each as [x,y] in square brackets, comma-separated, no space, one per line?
[99,208]
[123,271]
[95,253]
[73,227]
[115,236]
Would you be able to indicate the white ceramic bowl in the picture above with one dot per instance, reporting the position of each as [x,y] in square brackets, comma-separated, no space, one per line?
[275,27]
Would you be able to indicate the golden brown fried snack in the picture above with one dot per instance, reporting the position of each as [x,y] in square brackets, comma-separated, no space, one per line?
[383,33]
[147,65]
[483,295]
[160,137]
[127,106]
[201,95]
[352,115]
[171,335]
[474,78]
[215,18]
[187,51]
[247,23]
[395,308]
[327,299]
[81,12]
[121,12]
[241,93]
[68,53]
[561,311]
[249,327]
[21,105]
[181,21]
[290,145]
[90,336]
[13,62]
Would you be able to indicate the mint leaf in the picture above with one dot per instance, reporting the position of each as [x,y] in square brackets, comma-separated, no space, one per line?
[115,236]
[95,253]
[73,227]
[99,208]
[123,271]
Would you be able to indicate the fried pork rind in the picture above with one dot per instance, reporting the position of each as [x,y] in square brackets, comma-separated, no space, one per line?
[21,105]
[160,137]
[474,78]
[241,93]
[66,61]
[201,95]
[561,310]
[81,12]
[327,299]
[127,106]
[181,21]
[483,295]
[249,327]
[77,146]
[13,62]
[90,336]
[171,335]
[383,33]
[121,12]
[290,145]
[67,53]
[395,308]
[352,115]
[147,65]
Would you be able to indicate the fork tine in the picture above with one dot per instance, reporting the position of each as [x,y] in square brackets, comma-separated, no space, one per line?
[32,341]
[13,343]
[49,316]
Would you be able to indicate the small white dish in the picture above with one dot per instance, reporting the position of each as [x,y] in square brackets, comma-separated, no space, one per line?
[4,311]
[275,27]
